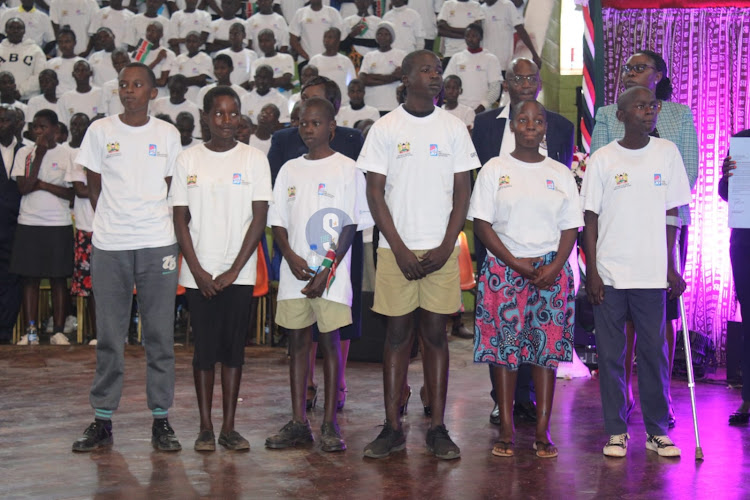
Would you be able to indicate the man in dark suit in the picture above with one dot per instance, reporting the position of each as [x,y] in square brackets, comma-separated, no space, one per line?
[286,145]
[10,200]
[491,136]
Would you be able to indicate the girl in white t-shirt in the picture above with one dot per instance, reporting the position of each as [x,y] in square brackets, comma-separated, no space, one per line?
[220,194]
[452,88]
[318,199]
[43,245]
[526,211]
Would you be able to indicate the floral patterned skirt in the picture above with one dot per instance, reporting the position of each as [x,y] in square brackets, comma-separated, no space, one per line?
[518,323]
[80,285]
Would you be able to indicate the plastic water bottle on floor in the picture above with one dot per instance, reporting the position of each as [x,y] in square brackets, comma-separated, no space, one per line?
[314,259]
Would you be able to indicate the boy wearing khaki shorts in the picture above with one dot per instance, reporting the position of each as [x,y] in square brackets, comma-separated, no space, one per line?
[318,200]
[417,160]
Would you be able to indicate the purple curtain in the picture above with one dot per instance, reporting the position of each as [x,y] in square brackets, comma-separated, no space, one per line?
[708,55]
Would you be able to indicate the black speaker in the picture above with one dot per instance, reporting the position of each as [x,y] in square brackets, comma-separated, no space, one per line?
[734,352]
[369,347]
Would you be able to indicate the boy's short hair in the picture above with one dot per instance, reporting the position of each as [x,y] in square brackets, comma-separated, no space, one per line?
[49,72]
[274,109]
[49,115]
[455,78]
[225,59]
[164,117]
[149,71]
[211,95]
[407,65]
[355,81]
[476,27]
[65,30]
[178,78]
[319,102]
[186,116]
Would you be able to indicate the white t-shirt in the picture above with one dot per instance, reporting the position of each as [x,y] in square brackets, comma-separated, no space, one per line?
[305,195]
[408,27]
[163,105]
[252,103]
[338,68]
[347,116]
[419,157]
[82,209]
[101,65]
[459,15]
[242,63]
[42,208]
[382,97]
[289,8]
[167,64]
[281,64]
[372,26]
[528,204]
[274,22]
[38,103]
[76,14]
[181,23]
[219,28]
[427,10]
[500,21]
[631,190]
[199,64]
[138,25]
[38,24]
[132,211]
[110,103]
[203,91]
[74,102]
[116,20]
[477,72]
[64,70]
[463,113]
[219,190]
[262,145]
[310,26]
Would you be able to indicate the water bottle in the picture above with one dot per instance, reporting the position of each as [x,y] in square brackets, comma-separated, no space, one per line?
[33,337]
[314,259]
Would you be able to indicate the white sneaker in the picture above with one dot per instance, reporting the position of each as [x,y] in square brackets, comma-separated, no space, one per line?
[24,340]
[71,324]
[59,339]
[50,325]
[92,342]
[617,446]
[662,445]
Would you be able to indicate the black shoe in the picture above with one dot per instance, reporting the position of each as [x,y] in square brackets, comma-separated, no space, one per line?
[330,439]
[162,436]
[441,445]
[525,412]
[495,415]
[206,441]
[292,434]
[388,441]
[234,441]
[96,435]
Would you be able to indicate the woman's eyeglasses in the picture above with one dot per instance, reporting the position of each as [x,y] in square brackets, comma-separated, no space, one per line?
[638,68]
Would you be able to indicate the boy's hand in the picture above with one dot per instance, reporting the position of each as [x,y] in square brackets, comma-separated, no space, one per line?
[409,264]
[317,284]
[727,167]
[546,277]
[299,268]
[594,288]
[676,284]
[226,279]
[206,284]
[525,267]
[435,259]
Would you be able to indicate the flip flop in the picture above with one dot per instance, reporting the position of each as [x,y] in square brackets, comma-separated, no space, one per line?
[503,449]
[547,447]
[739,418]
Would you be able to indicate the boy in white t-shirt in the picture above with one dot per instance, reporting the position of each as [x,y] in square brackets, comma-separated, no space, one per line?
[333,65]
[282,64]
[160,60]
[381,70]
[185,124]
[130,161]
[101,60]
[115,17]
[308,27]
[110,104]
[219,236]
[84,98]
[242,58]
[176,103]
[359,28]
[357,110]
[631,192]
[319,199]
[409,33]
[264,19]
[268,123]
[501,20]
[186,20]
[63,64]
[75,14]
[47,99]
[195,65]
[218,37]
[454,17]
[253,102]
[452,88]
[140,22]
[417,148]
[223,69]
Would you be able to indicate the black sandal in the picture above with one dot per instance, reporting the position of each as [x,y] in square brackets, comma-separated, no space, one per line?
[739,418]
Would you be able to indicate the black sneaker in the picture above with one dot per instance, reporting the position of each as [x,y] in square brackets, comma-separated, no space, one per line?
[441,445]
[292,434]
[234,441]
[162,436]
[388,441]
[96,435]
[330,439]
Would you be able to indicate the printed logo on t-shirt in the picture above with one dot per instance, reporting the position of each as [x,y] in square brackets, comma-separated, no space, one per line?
[192,180]
[113,149]
[435,151]
[404,150]
[657,179]
[322,191]
[503,182]
[291,193]
[55,165]
[621,180]
[461,67]
[550,184]
[236,178]
[152,149]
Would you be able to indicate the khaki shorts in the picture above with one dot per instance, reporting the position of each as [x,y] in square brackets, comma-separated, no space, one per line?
[438,292]
[296,314]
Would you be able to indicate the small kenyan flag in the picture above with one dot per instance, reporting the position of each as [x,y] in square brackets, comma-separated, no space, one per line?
[142,50]
[252,8]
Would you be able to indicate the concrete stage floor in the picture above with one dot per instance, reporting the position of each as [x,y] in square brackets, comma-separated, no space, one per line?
[44,408]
